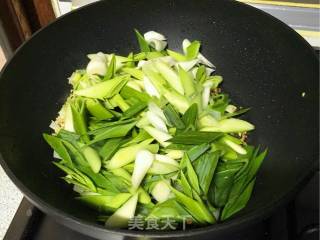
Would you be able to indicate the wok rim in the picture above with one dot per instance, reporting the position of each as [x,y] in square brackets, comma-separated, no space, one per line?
[81,225]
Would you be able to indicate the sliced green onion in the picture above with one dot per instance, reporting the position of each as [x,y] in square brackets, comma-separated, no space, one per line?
[68,123]
[127,155]
[230,125]
[150,88]
[156,40]
[105,89]
[126,212]
[187,65]
[156,110]
[166,159]
[186,43]
[235,147]
[143,162]
[231,108]
[170,75]
[136,73]
[160,136]
[151,134]
[179,101]
[156,121]
[175,154]
[97,110]
[162,168]
[97,65]
[93,158]
[186,81]
[161,191]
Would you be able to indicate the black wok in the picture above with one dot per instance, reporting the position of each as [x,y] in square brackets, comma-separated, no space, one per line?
[265,65]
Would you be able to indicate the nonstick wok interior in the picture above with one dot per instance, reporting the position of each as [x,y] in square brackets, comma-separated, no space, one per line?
[265,65]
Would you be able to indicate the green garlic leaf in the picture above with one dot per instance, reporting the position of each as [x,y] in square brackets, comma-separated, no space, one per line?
[80,178]
[173,117]
[106,89]
[128,92]
[185,185]
[109,148]
[222,182]
[134,110]
[136,73]
[105,203]
[169,209]
[190,116]
[79,119]
[205,167]
[112,132]
[96,109]
[111,71]
[187,82]
[194,137]
[177,56]
[59,148]
[235,206]
[144,46]
[192,50]
[68,136]
[196,151]
[197,210]
[191,174]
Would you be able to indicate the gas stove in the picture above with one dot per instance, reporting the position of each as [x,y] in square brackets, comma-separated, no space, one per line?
[298,220]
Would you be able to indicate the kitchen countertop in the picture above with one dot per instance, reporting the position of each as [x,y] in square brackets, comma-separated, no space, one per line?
[10,196]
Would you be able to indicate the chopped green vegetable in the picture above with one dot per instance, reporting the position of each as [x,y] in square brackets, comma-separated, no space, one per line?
[144,46]
[93,158]
[79,122]
[105,203]
[106,89]
[109,148]
[205,167]
[136,73]
[197,210]
[193,50]
[185,185]
[113,132]
[173,117]
[128,92]
[170,76]
[193,137]
[135,109]
[197,151]
[177,56]
[235,206]
[127,155]
[191,174]
[118,101]
[230,125]
[187,81]
[162,168]
[97,110]
[121,217]
[152,135]
[161,191]
[190,116]
[59,148]
[111,69]
[143,162]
